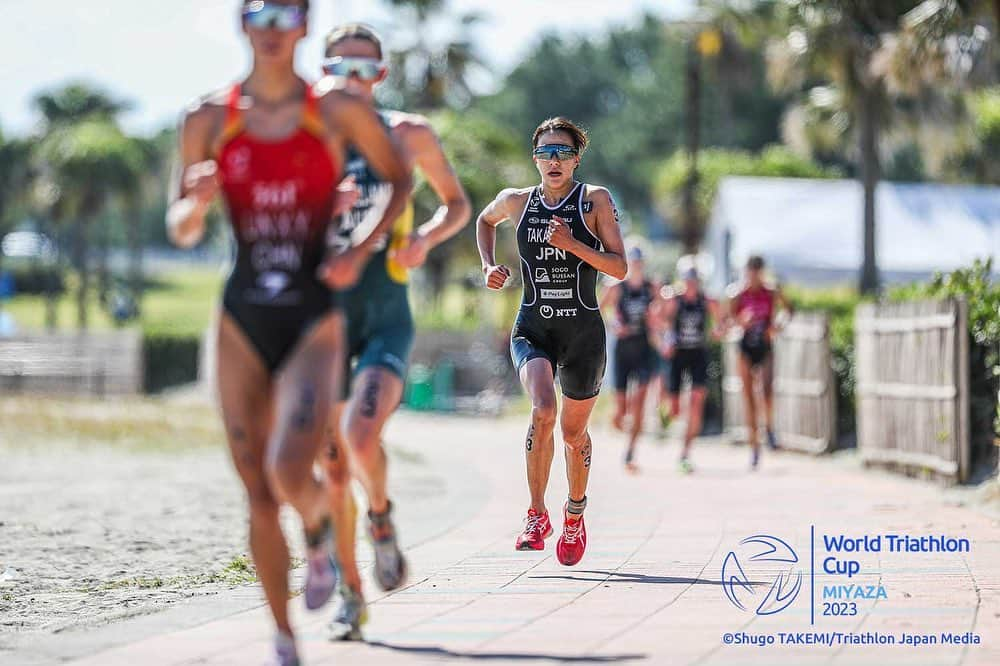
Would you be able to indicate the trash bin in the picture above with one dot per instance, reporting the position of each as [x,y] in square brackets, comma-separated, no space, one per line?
[444,386]
[419,392]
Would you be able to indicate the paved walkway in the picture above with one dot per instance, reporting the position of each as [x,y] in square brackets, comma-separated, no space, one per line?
[648,590]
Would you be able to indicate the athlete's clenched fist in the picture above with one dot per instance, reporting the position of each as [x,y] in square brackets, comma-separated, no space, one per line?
[559,234]
[201,181]
[496,276]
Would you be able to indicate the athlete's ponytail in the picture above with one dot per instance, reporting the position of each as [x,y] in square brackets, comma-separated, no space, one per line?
[560,124]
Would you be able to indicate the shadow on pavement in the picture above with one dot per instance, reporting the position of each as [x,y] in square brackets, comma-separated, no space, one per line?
[437,651]
[623,577]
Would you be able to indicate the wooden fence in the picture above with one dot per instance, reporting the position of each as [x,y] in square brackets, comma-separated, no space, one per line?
[805,400]
[101,364]
[913,385]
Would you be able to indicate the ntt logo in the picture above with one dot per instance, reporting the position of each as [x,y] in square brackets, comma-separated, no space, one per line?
[773,567]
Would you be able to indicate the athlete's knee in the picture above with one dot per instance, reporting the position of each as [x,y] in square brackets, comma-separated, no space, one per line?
[543,416]
[364,435]
[264,506]
[575,435]
[289,467]
[543,411]
[335,464]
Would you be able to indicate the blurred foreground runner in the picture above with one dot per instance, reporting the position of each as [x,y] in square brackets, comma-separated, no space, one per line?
[379,322]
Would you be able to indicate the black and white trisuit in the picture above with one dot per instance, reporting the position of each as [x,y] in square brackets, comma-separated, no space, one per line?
[559,318]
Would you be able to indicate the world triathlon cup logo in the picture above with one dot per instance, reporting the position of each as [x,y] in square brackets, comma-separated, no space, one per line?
[772,563]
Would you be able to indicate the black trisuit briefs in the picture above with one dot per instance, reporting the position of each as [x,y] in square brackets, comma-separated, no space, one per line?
[559,319]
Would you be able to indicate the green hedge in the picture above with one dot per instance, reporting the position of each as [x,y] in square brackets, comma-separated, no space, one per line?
[171,359]
[34,279]
[982,293]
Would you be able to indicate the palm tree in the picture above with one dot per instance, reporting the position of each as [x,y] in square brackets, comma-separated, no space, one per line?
[15,174]
[427,75]
[84,159]
[146,194]
[855,62]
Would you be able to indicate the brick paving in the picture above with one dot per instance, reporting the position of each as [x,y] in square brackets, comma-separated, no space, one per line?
[648,589]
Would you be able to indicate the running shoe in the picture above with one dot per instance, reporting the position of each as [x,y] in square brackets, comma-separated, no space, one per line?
[285,653]
[685,466]
[537,528]
[754,459]
[390,565]
[772,441]
[630,461]
[321,574]
[573,541]
[664,413]
[351,614]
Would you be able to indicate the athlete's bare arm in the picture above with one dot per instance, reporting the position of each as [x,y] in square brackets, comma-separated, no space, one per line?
[360,126]
[196,175]
[780,297]
[506,206]
[668,312]
[735,296]
[605,220]
[424,149]
[718,318]
[654,314]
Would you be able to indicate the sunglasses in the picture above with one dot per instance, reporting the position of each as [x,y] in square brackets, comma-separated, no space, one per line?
[366,69]
[555,151]
[268,16]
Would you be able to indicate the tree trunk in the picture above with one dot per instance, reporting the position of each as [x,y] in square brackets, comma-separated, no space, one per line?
[691,227]
[868,101]
[103,270]
[134,227]
[81,254]
[52,278]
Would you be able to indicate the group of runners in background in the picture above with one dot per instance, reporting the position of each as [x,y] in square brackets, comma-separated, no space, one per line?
[315,327]
[663,336]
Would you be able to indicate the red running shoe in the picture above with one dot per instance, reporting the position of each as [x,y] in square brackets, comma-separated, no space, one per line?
[572,543]
[537,528]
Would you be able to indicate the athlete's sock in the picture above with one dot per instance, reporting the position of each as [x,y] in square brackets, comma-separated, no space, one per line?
[316,538]
[576,507]
[383,516]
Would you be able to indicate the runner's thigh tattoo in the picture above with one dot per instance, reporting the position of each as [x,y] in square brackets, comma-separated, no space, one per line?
[304,416]
[369,398]
[241,445]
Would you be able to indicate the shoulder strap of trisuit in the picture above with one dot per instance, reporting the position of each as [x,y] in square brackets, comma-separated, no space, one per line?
[234,117]
[233,112]
[312,121]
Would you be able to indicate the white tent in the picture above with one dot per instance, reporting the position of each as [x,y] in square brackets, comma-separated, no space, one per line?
[810,231]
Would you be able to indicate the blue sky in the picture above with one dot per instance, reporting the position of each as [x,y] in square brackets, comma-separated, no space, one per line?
[162,53]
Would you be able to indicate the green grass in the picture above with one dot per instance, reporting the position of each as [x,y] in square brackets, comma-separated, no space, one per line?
[179,302]
[238,571]
[183,303]
[462,309]
[134,423]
